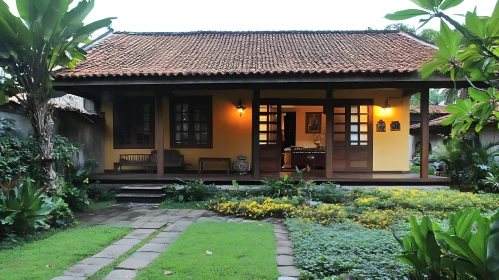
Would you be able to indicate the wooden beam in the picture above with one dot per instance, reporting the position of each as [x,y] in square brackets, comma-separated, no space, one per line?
[159,132]
[425,132]
[329,133]
[255,133]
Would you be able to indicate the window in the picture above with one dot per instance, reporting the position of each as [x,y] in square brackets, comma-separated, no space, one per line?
[133,123]
[268,125]
[191,122]
[359,115]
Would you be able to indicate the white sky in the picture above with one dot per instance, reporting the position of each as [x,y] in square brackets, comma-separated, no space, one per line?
[234,15]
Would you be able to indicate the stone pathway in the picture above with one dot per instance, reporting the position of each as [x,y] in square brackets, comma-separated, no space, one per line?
[147,220]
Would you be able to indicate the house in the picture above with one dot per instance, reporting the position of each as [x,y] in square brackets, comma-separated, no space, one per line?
[337,101]
[435,111]
[488,134]
[73,118]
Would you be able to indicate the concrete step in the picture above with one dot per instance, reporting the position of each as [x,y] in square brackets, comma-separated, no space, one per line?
[140,197]
[153,189]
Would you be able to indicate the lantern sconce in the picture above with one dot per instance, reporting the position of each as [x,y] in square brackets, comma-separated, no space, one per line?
[387,108]
[240,108]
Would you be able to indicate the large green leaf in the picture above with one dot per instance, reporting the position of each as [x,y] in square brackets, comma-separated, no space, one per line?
[52,17]
[447,4]
[478,241]
[493,250]
[475,24]
[406,14]
[478,95]
[26,10]
[88,29]
[426,4]
[462,248]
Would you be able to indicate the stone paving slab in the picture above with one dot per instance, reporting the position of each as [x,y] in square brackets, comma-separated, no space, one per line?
[178,226]
[153,225]
[69,278]
[281,236]
[284,251]
[121,274]
[168,234]
[162,218]
[289,271]
[196,213]
[85,270]
[138,260]
[285,260]
[162,240]
[282,243]
[287,278]
[153,247]
[139,234]
[128,241]
[206,219]
[183,212]
[113,251]
[96,261]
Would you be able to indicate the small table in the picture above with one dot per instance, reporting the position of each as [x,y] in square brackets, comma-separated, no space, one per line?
[202,160]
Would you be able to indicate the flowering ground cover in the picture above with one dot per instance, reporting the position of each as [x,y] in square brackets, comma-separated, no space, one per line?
[354,236]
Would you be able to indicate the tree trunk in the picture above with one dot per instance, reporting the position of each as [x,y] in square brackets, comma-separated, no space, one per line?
[40,115]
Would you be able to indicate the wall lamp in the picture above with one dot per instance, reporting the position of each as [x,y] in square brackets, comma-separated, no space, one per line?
[240,108]
[387,107]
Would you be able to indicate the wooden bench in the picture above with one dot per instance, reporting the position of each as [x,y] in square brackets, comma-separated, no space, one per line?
[202,160]
[172,158]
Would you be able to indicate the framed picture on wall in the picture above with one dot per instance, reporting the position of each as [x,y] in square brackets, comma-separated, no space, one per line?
[313,122]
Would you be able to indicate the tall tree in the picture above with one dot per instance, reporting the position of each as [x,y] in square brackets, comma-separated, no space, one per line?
[428,34]
[47,35]
[469,51]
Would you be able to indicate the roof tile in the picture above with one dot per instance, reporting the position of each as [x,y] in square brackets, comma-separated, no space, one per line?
[243,53]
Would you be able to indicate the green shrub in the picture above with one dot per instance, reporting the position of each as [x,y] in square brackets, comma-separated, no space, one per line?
[61,216]
[25,208]
[328,193]
[75,197]
[191,191]
[97,193]
[467,160]
[344,249]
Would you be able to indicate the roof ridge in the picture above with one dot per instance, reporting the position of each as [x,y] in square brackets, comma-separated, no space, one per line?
[202,32]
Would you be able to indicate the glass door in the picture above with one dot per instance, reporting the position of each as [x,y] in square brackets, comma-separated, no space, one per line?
[270,137]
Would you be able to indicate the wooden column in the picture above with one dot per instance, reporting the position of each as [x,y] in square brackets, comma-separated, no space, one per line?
[159,132]
[329,133]
[425,132]
[255,133]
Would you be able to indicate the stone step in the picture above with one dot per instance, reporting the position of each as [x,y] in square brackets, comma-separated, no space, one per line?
[140,197]
[152,189]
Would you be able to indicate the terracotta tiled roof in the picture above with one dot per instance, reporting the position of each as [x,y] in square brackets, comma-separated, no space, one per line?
[435,122]
[433,109]
[239,53]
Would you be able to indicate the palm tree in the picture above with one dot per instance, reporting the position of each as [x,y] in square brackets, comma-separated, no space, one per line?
[47,35]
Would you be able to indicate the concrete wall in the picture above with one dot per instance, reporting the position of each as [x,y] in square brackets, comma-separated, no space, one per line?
[232,134]
[84,133]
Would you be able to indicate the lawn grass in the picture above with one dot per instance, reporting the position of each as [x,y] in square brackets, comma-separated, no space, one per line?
[96,206]
[240,251]
[49,258]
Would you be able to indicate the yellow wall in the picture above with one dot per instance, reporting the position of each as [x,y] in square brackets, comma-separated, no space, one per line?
[305,139]
[232,134]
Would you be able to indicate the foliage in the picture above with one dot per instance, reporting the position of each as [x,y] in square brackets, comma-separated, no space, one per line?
[417,169]
[76,187]
[191,191]
[25,208]
[172,204]
[457,253]
[97,206]
[61,216]
[428,34]
[492,263]
[344,249]
[491,181]
[240,251]
[382,208]
[470,52]
[278,188]
[328,193]
[261,207]
[75,197]
[47,35]
[49,258]
[467,160]
[97,193]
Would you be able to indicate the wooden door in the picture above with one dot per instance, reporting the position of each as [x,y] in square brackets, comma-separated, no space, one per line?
[352,136]
[270,138]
